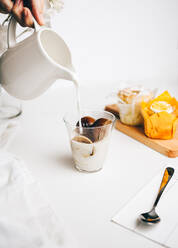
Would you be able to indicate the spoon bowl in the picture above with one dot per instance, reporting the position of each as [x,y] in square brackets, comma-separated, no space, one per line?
[152,217]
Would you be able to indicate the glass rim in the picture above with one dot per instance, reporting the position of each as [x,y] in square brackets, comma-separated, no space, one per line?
[11,116]
[113,118]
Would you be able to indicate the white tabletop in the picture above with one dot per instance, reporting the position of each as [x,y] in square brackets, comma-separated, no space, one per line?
[86,201]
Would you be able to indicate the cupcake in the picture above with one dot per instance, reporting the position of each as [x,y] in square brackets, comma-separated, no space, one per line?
[160,116]
[129,104]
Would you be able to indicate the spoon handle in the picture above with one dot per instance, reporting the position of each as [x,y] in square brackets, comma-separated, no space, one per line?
[168,173]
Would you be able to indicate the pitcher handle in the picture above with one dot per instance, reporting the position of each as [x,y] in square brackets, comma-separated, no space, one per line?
[11,31]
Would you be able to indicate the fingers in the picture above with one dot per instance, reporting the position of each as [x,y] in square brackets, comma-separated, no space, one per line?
[22,10]
[6,6]
[22,14]
[17,11]
[27,17]
[37,7]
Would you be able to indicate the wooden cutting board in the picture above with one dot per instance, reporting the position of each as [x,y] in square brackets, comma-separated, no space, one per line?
[166,147]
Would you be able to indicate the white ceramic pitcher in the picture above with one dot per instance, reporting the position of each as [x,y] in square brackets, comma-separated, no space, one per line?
[29,67]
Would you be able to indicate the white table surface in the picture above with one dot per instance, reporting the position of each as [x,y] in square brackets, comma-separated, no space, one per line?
[86,202]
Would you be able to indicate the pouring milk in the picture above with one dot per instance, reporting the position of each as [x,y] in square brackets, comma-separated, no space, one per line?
[28,68]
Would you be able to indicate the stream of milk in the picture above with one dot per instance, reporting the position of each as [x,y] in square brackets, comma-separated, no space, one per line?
[75,81]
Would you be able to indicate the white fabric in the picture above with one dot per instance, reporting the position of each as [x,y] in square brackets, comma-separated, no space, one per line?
[26,219]
[166,231]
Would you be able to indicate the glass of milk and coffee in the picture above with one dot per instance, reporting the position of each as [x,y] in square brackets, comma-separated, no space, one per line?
[89,138]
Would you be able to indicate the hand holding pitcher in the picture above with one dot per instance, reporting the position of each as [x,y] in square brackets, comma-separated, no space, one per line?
[24,11]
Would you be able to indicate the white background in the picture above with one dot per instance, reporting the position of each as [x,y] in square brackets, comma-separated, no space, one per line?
[114,40]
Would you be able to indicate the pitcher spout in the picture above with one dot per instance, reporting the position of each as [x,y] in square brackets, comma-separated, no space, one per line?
[67,74]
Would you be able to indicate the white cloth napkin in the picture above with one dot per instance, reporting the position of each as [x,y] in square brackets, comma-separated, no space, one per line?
[26,219]
[8,129]
[165,232]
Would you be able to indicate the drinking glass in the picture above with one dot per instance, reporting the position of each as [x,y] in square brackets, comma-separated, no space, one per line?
[89,144]
[10,107]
